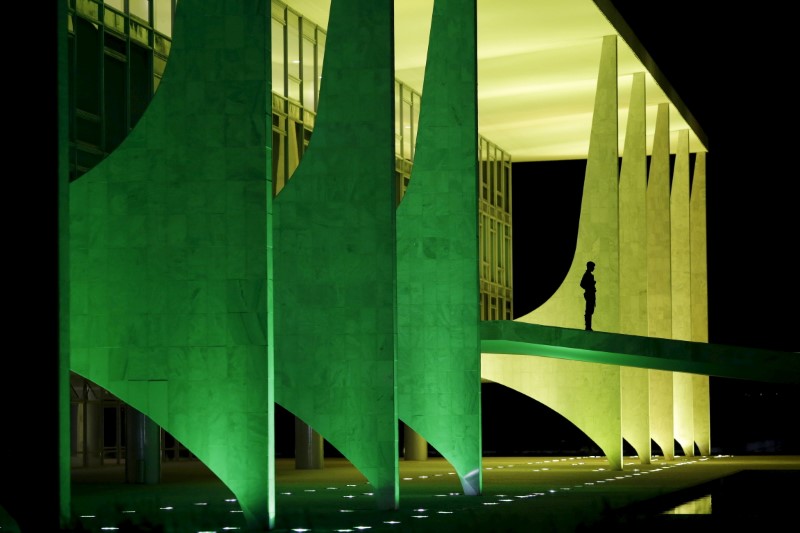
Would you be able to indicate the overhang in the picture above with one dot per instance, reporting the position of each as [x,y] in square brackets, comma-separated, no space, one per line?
[538,62]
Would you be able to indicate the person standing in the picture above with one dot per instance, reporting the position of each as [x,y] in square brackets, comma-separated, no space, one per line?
[588,285]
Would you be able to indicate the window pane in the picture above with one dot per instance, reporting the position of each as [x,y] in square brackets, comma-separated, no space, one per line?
[88,64]
[115,103]
[116,4]
[88,8]
[162,16]
[308,75]
[277,58]
[139,32]
[140,8]
[293,46]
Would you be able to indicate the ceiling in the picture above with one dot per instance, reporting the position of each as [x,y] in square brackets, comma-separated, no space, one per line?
[538,62]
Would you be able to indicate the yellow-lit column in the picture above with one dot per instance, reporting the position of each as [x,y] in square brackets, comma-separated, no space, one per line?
[659,306]
[661,417]
[659,291]
[415,448]
[683,411]
[702,413]
[680,264]
[586,394]
[699,298]
[598,229]
[633,268]
[635,405]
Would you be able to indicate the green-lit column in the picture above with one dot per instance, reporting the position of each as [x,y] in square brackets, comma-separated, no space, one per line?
[680,265]
[598,229]
[437,253]
[659,303]
[335,293]
[170,253]
[633,268]
[699,291]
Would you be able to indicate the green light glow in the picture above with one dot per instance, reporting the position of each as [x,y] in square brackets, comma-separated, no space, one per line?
[437,240]
[335,255]
[169,289]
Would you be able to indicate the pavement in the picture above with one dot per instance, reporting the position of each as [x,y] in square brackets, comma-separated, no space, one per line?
[543,494]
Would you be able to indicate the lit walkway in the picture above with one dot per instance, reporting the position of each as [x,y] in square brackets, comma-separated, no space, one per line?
[520,494]
[510,337]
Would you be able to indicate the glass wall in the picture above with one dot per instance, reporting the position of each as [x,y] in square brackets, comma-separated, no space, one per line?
[117,54]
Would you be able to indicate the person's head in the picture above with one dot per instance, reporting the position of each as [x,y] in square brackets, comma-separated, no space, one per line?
[590,266]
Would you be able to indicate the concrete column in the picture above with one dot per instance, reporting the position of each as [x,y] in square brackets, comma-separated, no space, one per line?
[680,235]
[309,450]
[415,448]
[142,448]
[92,430]
[683,411]
[659,290]
[699,273]
[702,414]
[662,428]
[634,389]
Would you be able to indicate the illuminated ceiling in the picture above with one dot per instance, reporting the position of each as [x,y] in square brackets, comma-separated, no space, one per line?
[538,62]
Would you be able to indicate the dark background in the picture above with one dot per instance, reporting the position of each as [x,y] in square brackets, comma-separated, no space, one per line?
[729,66]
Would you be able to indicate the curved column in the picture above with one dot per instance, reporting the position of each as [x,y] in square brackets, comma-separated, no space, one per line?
[169,254]
[598,230]
[437,253]
[659,290]
[586,394]
[680,258]
[635,405]
[659,304]
[680,281]
[661,412]
[633,268]
[335,254]
[633,216]
[699,250]
[699,297]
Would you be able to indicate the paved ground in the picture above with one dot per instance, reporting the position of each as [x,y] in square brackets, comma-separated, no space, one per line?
[519,494]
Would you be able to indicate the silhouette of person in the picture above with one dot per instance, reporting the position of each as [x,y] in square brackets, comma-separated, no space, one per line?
[588,285]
